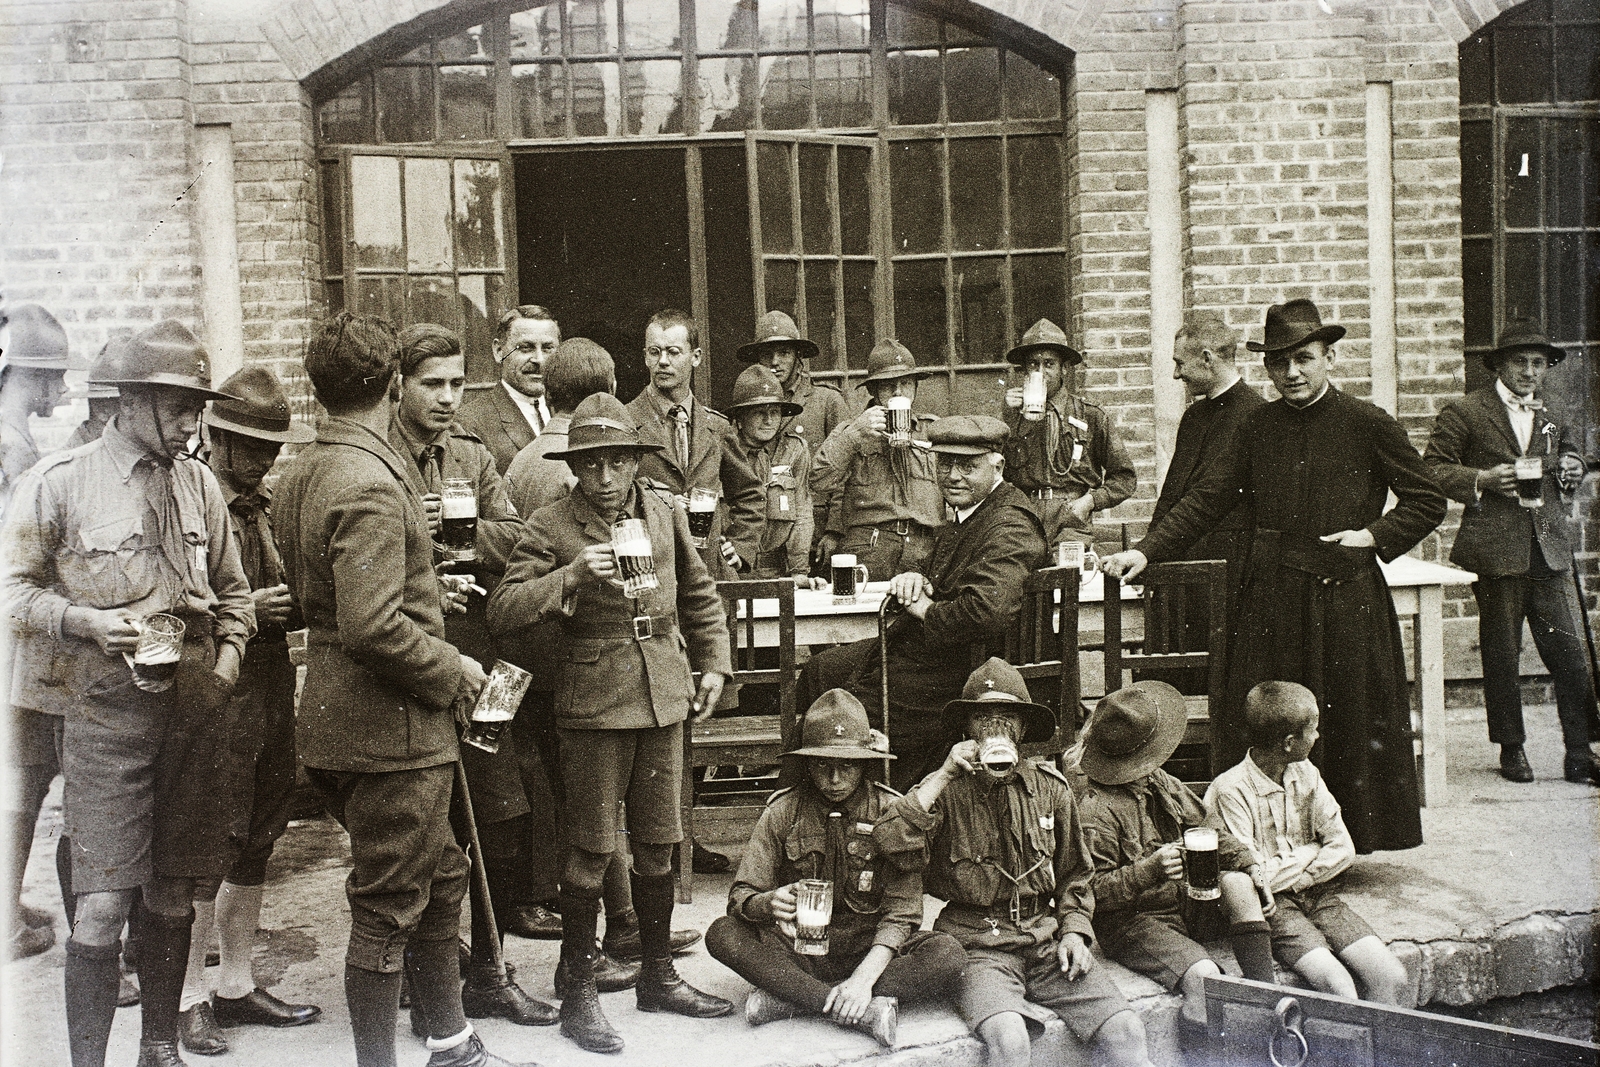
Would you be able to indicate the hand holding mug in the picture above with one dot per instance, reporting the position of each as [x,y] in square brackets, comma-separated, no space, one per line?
[1014,397]
[433,507]
[874,420]
[782,903]
[272,604]
[1501,478]
[597,563]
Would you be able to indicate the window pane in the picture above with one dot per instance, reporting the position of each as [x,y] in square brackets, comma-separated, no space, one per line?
[332,219]
[860,330]
[972,84]
[1565,290]
[907,29]
[536,33]
[1037,207]
[1521,168]
[596,99]
[1523,279]
[840,23]
[1578,63]
[1031,92]
[783,25]
[539,100]
[975,194]
[913,88]
[382,295]
[820,311]
[428,215]
[916,180]
[844,90]
[725,25]
[1477,291]
[1565,196]
[1522,63]
[480,220]
[781,275]
[650,25]
[481,302]
[727,94]
[981,300]
[1038,291]
[468,44]
[855,200]
[1476,53]
[777,224]
[1591,275]
[919,309]
[816,200]
[344,119]
[375,212]
[433,300]
[405,104]
[1477,178]
[655,90]
[466,103]
[592,26]
[785,92]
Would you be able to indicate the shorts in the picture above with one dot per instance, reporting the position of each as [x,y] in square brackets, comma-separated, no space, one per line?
[603,770]
[1311,919]
[1028,979]
[33,739]
[1156,944]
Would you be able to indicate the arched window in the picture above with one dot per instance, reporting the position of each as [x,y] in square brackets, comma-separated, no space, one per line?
[867,167]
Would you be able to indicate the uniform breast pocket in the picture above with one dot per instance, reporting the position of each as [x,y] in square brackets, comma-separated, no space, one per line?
[863,887]
[111,564]
[578,695]
[1042,845]
[806,852]
[782,498]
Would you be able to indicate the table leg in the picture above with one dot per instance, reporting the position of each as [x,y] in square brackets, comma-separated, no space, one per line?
[1428,634]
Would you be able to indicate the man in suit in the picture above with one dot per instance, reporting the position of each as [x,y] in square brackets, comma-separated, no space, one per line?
[1522,555]
[511,413]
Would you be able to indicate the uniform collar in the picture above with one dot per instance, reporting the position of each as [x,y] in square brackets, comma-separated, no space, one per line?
[259,497]
[416,447]
[585,512]
[125,455]
[663,406]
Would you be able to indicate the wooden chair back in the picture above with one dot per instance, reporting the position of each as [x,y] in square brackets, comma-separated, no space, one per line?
[1042,644]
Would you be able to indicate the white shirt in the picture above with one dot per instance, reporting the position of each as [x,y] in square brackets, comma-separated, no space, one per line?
[535,410]
[1295,830]
[1521,417]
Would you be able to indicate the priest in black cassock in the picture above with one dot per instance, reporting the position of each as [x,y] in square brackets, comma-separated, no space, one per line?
[1316,467]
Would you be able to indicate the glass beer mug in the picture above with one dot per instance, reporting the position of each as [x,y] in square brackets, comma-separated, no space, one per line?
[458,515]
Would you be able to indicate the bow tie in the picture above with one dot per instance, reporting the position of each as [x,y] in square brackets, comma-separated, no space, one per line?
[1525,403]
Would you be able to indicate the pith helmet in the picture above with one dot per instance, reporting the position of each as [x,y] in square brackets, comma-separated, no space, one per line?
[1044,336]
[163,354]
[261,411]
[602,421]
[889,359]
[757,386]
[776,328]
[37,339]
[1293,324]
[836,728]
[1523,333]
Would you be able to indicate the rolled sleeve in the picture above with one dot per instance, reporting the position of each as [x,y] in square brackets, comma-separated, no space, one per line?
[902,907]
[1074,871]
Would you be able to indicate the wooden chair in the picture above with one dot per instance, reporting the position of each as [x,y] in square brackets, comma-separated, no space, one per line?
[745,739]
[1045,650]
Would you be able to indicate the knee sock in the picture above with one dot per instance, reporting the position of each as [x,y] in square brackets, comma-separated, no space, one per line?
[163,959]
[238,917]
[33,783]
[69,901]
[653,898]
[374,1000]
[195,986]
[436,986]
[1252,947]
[617,890]
[580,911]
[92,978]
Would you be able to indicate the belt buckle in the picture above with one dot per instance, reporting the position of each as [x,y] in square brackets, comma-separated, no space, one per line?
[643,628]
[1016,909]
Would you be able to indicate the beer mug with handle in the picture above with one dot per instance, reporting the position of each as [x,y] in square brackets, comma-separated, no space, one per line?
[848,576]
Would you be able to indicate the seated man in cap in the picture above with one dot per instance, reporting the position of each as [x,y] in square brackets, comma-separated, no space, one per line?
[1006,851]
[877,956]
[99,539]
[964,596]
[1135,815]
[622,698]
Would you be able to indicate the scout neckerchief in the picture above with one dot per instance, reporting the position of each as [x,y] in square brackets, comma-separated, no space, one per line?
[1010,818]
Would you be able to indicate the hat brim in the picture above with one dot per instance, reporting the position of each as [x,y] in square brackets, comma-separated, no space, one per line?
[965,450]
[841,752]
[1019,355]
[890,375]
[574,451]
[169,381]
[1172,719]
[296,434]
[751,351]
[1327,335]
[1491,358]
[1038,721]
[788,407]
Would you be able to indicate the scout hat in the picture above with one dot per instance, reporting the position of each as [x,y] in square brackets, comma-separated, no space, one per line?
[163,354]
[836,728]
[1132,732]
[1523,333]
[262,409]
[758,385]
[997,682]
[1043,335]
[79,369]
[889,359]
[968,435]
[776,328]
[1292,325]
[602,421]
[37,339]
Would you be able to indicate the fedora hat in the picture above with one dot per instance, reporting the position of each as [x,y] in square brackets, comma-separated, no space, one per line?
[889,359]
[163,354]
[1132,732]
[261,410]
[775,328]
[1291,325]
[998,687]
[835,727]
[758,386]
[602,421]
[36,339]
[1522,333]
[1043,335]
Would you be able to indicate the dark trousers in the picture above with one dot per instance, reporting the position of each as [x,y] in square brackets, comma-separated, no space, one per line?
[264,703]
[539,760]
[1547,604]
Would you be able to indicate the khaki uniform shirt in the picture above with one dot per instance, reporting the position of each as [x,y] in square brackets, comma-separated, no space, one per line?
[1073,448]
[857,469]
[783,467]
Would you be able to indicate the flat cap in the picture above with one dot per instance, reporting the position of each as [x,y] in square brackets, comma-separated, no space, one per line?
[968,435]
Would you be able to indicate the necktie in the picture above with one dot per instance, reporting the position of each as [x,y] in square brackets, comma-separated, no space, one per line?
[680,415]
[1525,403]
[536,418]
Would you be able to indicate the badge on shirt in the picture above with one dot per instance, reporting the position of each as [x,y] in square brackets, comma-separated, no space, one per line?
[1079,423]
[1047,822]
[863,828]
[1077,451]
[783,501]
[782,468]
[864,883]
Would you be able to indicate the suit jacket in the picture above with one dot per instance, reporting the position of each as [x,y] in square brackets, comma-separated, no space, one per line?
[1495,540]
[493,417]
[380,676]
[612,680]
[1205,430]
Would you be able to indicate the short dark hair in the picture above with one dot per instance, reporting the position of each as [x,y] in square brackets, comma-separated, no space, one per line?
[1208,330]
[425,340]
[522,311]
[667,318]
[574,372]
[1275,710]
[350,360]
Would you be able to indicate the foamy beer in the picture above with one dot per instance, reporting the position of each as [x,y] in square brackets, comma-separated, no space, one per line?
[155,660]
[897,421]
[1530,481]
[845,573]
[497,704]
[1034,396]
[1202,872]
[458,513]
[997,755]
[635,559]
[702,512]
[813,911]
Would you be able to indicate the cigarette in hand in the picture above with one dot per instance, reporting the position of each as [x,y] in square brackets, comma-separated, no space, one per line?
[480,590]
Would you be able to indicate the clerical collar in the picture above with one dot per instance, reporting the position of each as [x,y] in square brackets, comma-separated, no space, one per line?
[1308,403]
[1217,392]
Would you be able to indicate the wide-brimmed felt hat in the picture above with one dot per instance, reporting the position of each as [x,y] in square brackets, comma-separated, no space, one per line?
[163,354]
[775,328]
[261,410]
[1293,324]
[1132,732]
[997,687]
[889,359]
[602,421]
[835,727]
[79,369]
[1041,336]
[1523,333]
[758,386]
[36,339]
[968,435]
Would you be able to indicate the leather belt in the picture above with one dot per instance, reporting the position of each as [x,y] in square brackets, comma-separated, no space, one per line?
[639,628]
[900,527]
[1027,907]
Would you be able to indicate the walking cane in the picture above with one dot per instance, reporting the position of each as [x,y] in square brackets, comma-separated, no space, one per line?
[883,670]
[1588,632]
[480,876]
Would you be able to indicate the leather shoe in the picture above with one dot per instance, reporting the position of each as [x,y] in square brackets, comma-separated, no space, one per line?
[159,1054]
[34,916]
[1514,765]
[610,975]
[198,1030]
[584,1022]
[471,1053]
[29,940]
[1583,767]
[660,989]
[622,941]
[708,862]
[534,921]
[489,996]
[127,992]
[260,1008]
[761,1008]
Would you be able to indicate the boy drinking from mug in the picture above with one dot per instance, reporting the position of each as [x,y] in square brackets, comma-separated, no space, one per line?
[1276,803]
